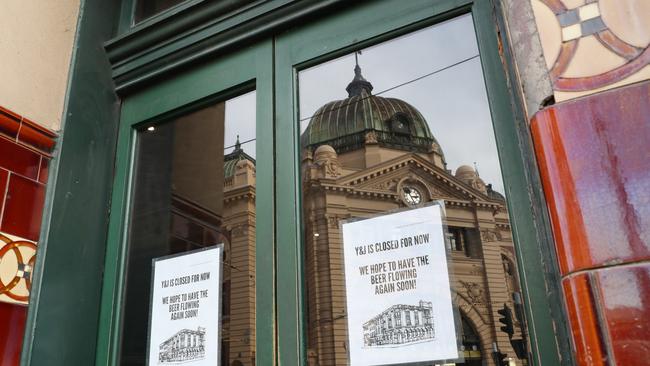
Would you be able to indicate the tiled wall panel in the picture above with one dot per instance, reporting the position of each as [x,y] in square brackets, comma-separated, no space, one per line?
[594,159]
[24,158]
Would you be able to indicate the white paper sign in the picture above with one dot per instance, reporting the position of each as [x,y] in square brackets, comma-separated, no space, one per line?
[399,306]
[186,309]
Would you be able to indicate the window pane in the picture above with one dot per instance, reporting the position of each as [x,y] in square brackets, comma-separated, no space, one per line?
[194,188]
[393,128]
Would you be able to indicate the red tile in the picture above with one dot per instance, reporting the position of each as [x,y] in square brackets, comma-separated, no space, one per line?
[594,161]
[625,303]
[23,207]
[11,332]
[34,135]
[19,159]
[9,123]
[43,173]
[3,188]
[583,320]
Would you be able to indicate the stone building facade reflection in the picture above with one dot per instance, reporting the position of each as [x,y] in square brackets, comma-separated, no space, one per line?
[202,216]
[232,224]
[363,156]
[238,321]
[366,155]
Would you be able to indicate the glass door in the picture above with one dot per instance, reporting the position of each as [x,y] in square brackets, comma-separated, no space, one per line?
[392,116]
[363,173]
[194,175]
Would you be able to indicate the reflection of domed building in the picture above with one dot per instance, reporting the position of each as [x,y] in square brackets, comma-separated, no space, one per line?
[364,120]
[238,304]
[365,155]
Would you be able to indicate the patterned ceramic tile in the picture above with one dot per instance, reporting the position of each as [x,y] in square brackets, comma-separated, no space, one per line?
[17,259]
[587,50]
[628,20]
[573,3]
[592,45]
[624,293]
[595,165]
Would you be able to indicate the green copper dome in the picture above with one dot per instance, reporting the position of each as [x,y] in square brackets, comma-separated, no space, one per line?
[230,160]
[362,117]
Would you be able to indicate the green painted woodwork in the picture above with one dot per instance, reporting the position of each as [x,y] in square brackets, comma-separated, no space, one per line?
[536,255]
[231,75]
[181,37]
[530,227]
[133,38]
[64,306]
[371,23]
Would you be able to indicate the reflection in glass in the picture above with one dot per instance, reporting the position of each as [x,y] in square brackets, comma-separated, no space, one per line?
[395,126]
[194,187]
[146,8]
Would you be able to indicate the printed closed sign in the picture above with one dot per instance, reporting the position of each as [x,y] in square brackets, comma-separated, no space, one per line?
[186,308]
[399,305]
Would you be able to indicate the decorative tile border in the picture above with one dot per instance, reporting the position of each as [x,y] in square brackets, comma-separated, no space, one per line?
[580,22]
[26,132]
[572,32]
[17,258]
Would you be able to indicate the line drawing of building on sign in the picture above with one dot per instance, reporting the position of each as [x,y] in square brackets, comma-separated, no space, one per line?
[400,324]
[185,346]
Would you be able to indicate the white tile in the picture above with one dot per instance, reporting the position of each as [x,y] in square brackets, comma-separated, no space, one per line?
[571,32]
[589,11]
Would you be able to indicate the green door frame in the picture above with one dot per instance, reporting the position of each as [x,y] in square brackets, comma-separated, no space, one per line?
[370,23]
[231,75]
